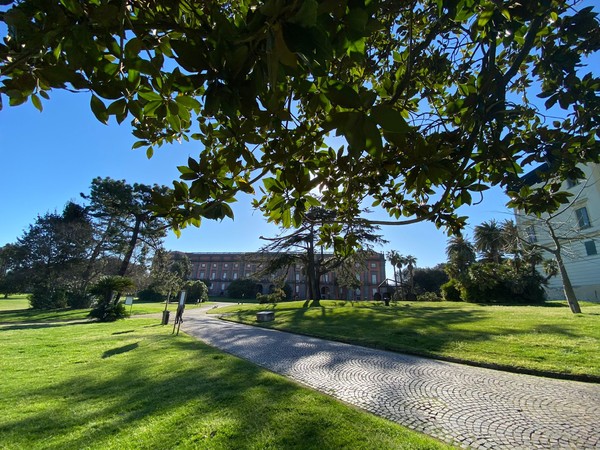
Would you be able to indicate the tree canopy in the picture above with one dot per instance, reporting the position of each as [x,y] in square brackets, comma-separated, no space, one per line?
[433,101]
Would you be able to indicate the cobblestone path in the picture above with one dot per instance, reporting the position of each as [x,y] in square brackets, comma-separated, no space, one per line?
[466,406]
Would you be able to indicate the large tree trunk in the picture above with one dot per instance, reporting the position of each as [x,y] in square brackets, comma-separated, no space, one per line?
[132,243]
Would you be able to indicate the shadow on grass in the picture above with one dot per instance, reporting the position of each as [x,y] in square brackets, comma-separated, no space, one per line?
[202,399]
[119,350]
[12,326]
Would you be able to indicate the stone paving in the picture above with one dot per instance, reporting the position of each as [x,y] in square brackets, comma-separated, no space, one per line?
[465,406]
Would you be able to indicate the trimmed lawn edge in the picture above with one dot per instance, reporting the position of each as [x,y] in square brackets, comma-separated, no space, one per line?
[500,367]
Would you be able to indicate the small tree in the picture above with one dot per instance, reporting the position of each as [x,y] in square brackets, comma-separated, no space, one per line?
[242,289]
[196,291]
[107,292]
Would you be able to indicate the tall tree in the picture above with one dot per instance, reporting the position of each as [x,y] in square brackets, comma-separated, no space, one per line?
[320,245]
[490,240]
[431,97]
[53,252]
[123,218]
[411,262]
[461,254]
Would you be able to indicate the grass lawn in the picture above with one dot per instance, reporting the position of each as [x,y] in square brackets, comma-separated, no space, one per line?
[531,338]
[16,309]
[131,384]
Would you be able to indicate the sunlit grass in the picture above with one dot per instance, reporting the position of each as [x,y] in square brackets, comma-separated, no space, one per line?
[132,384]
[535,338]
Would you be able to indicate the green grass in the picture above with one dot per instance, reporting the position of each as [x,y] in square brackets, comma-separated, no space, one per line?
[132,384]
[524,338]
[14,302]
[17,310]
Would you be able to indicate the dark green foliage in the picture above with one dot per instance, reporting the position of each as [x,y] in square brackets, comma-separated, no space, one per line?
[501,283]
[429,279]
[48,297]
[278,295]
[77,300]
[109,312]
[242,289]
[197,291]
[150,295]
[428,297]
[107,292]
[451,291]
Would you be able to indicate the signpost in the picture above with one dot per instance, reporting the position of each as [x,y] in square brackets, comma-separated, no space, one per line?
[129,301]
[179,314]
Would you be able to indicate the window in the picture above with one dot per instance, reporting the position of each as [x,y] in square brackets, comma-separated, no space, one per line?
[590,248]
[297,277]
[583,219]
[225,265]
[214,265]
[373,278]
[297,289]
[236,265]
[213,275]
[326,278]
[203,265]
[530,232]
[201,275]
[225,275]
[235,275]
[373,265]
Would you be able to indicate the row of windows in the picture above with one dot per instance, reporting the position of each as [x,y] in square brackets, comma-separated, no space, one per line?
[326,277]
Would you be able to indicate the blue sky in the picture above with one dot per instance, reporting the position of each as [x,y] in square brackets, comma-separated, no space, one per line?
[48,158]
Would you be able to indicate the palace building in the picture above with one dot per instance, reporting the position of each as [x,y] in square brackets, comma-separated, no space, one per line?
[220,269]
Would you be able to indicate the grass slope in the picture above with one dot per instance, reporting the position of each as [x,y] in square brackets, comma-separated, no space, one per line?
[533,338]
[131,384]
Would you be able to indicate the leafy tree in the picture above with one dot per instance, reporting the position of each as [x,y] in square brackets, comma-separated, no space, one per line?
[431,98]
[301,247]
[397,261]
[429,279]
[490,240]
[12,280]
[242,289]
[170,270]
[123,218]
[461,254]
[410,262]
[52,254]
[196,291]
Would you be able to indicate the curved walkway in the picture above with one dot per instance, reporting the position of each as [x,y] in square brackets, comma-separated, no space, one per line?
[462,405]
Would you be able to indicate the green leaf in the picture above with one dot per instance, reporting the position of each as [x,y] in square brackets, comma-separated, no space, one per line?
[389,119]
[307,14]
[99,109]
[37,102]
[343,95]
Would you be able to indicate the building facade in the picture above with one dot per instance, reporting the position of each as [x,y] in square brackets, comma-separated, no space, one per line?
[578,226]
[220,269]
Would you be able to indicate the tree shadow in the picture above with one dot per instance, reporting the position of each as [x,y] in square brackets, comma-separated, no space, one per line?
[139,403]
[120,350]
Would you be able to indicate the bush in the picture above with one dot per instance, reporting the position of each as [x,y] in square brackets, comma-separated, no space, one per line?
[44,297]
[107,292]
[277,295]
[150,295]
[79,301]
[242,289]
[451,291]
[428,297]
[501,283]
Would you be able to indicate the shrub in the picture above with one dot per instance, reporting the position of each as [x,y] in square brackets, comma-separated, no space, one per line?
[79,301]
[150,295]
[428,297]
[451,291]
[277,295]
[44,297]
[107,292]
[242,289]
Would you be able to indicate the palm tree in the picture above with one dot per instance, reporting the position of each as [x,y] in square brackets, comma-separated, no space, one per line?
[490,240]
[397,261]
[411,262]
[461,254]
